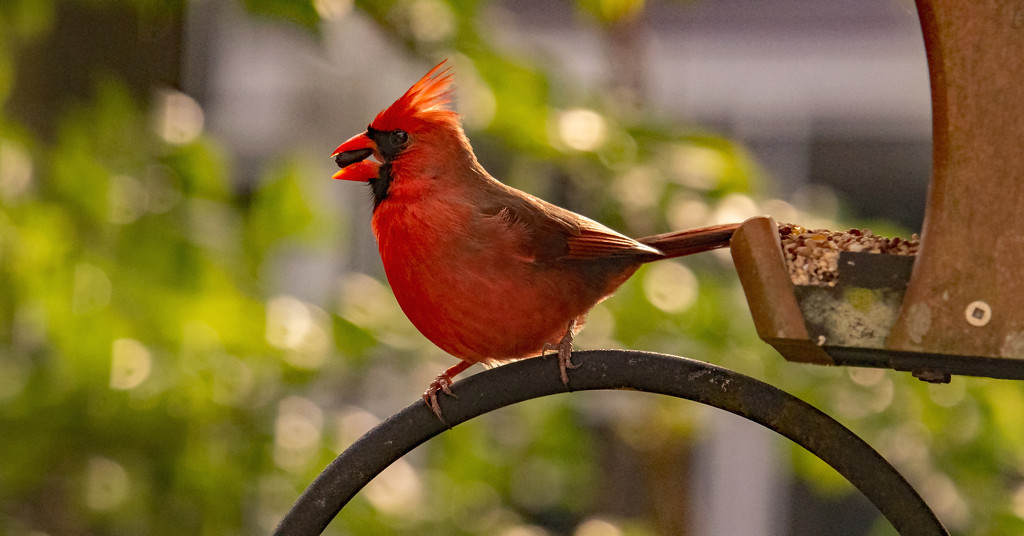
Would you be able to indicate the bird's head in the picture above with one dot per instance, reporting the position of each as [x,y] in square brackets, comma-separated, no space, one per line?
[398,130]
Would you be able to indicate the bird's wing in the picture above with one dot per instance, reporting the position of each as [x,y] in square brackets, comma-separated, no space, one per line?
[556,234]
[596,241]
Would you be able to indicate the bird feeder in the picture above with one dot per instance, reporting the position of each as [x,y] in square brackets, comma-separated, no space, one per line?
[957,307]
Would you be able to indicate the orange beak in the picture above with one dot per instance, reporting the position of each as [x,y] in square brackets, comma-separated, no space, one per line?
[351,157]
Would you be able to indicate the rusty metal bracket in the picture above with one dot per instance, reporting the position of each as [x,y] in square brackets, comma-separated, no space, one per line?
[684,378]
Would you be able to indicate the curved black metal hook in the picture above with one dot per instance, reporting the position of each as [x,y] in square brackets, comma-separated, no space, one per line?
[616,369]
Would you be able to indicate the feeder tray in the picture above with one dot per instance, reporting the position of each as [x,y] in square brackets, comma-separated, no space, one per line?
[849,320]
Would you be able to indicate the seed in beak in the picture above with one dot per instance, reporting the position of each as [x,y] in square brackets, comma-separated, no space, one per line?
[347,158]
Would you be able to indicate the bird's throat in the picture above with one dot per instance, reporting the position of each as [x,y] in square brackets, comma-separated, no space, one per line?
[381,185]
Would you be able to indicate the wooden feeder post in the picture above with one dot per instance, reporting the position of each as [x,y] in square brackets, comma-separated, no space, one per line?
[966,293]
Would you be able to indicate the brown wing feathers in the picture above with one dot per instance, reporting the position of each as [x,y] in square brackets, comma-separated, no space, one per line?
[680,243]
[558,234]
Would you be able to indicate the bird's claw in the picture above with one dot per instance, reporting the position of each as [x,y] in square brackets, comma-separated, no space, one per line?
[564,348]
[565,361]
[443,383]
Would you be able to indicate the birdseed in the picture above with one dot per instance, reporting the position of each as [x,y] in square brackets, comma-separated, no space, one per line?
[812,255]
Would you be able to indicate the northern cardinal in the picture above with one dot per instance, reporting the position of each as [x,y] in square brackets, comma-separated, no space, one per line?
[488,273]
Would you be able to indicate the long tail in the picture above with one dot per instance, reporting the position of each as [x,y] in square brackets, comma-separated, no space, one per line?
[680,243]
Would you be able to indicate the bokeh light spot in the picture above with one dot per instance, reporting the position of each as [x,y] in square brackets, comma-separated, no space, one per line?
[297,432]
[234,381]
[106,484]
[430,21]
[639,188]
[524,530]
[15,169]
[92,289]
[130,364]
[947,395]
[162,190]
[350,424]
[942,494]
[1018,502]
[781,211]
[698,167]
[597,527]
[127,199]
[179,118]
[582,130]
[687,211]
[734,208]
[866,376]
[332,10]
[301,329]
[396,490]
[670,286]
[363,301]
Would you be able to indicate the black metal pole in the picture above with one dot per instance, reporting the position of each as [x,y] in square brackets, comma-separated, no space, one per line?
[616,369]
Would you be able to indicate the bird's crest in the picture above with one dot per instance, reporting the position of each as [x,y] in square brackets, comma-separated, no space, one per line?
[428,98]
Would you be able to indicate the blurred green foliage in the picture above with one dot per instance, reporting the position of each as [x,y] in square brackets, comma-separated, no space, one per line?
[152,380]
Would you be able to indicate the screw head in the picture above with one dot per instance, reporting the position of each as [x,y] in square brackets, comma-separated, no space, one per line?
[978,313]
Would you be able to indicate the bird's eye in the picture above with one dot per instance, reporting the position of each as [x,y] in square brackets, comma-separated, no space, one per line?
[399,138]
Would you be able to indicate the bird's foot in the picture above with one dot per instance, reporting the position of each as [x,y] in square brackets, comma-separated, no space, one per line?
[564,347]
[443,383]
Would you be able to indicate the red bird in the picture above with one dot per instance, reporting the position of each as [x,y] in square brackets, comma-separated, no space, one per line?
[488,273]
